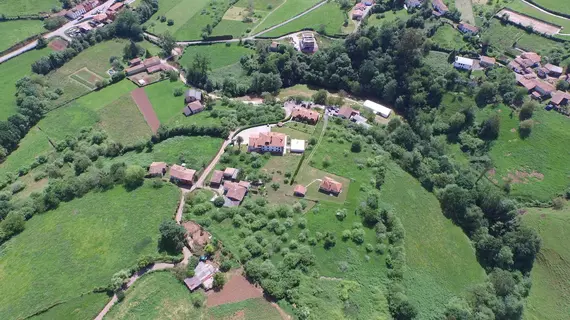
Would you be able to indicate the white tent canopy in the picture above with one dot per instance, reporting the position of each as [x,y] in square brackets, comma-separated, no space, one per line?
[378,108]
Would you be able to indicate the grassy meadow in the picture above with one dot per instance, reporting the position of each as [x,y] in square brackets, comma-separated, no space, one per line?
[158,295]
[180,11]
[82,244]
[380,18]
[250,309]
[550,293]
[522,7]
[86,306]
[123,121]
[219,54]
[17,7]
[328,18]
[555,5]
[449,38]
[12,32]
[11,71]
[287,10]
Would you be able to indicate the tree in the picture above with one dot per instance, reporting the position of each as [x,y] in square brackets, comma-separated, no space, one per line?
[490,128]
[132,50]
[525,128]
[12,225]
[167,43]
[356,145]
[563,85]
[172,236]
[527,110]
[486,94]
[320,97]
[239,141]
[134,176]
[219,280]
[81,163]
[219,202]
[197,72]
[42,43]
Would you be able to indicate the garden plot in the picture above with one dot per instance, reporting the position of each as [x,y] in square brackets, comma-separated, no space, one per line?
[527,21]
[86,78]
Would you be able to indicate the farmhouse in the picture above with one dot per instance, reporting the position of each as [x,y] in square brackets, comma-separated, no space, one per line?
[135,69]
[182,175]
[358,119]
[151,62]
[357,14]
[154,69]
[559,98]
[135,62]
[230,173]
[274,46]
[463,63]
[534,57]
[216,179]
[193,108]
[100,18]
[203,276]
[553,71]
[297,146]
[76,12]
[273,142]
[487,62]
[439,8]
[378,108]
[413,3]
[467,28]
[157,169]
[347,112]
[537,88]
[300,191]
[192,95]
[305,115]
[235,192]
[308,42]
[330,186]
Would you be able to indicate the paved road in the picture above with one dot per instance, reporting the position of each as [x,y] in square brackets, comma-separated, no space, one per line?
[56,33]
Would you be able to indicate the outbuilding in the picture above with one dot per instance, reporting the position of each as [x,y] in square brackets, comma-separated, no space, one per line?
[463,63]
[378,108]
[297,146]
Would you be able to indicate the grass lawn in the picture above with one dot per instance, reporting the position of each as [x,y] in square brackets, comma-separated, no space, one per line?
[263,5]
[200,14]
[150,47]
[12,32]
[449,38]
[555,5]
[95,59]
[194,151]
[438,62]
[288,10]
[157,296]
[219,54]
[82,244]
[180,11]
[328,18]
[34,144]
[123,121]
[16,7]
[11,71]
[232,71]
[541,153]
[522,7]
[296,130]
[550,293]
[251,309]
[83,307]
[388,16]
[466,9]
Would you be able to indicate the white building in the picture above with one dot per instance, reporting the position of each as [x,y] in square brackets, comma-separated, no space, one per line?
[463,63]
[378,108]
[76,12]
[297,146]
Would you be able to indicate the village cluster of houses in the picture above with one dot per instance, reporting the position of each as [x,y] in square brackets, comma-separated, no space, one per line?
[179,174]
[483,62]
[234,191]
[98,20]
[361,9]
[328,186]
[193,101]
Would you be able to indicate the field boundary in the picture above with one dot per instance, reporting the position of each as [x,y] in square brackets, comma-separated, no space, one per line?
[539,6]
[513,13]
[145,107]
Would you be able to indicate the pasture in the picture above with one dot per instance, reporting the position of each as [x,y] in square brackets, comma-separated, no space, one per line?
[82,244]
[11,71]
[251,309]
[448,37]
[522,7]
[158,295]
[123,121]
[555,5]
[23,7]
[380,18]
[287,10]
[550,293]
[503,37]
[12,32]
[192,29]
[536,166]
[327,19]
[178,10]
[466,9]
[219,55]
[83,307]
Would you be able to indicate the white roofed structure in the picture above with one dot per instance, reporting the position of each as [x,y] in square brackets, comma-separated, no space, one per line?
[297,145]
[378,108]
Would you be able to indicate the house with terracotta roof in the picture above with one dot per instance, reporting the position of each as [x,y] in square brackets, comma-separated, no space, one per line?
[300,191]
[151,62]
[135,69]
[235,192]
[157,169]
[534,57]
[305,115]
[330,186]
[347,112]
[135,62]
[439,8]
[100,18]
[192,95]
[467,28]
[216,179]
[273,142]
[230,173]
[203,276]
[274,46]
[193,108]
[357,14]
[182,175]
[487,62]
[553,71]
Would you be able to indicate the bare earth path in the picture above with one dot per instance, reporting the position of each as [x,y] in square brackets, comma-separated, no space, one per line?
[145,107]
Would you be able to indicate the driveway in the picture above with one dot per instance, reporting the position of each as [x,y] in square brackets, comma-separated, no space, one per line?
[245,134]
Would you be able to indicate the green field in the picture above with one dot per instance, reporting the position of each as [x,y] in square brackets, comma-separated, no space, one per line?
[234,28]
[17,7]
[550,293]
[328,18]
[263,5]
[288,10]
[466,9]
[84,307]
[79,246]
[448,37]
[388,16]
[437,61]
[541,153]
[522,7]
[180,11]
[555,5]
[95,59]
[251,309]
[11,71]
[123,121]
[157,296]
[219,54]
[12,32]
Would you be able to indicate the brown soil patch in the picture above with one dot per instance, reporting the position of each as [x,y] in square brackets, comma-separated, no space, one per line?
[537,25]
[236,289]
[197,235]
[523,177]
[513,130]
[492,172]
[58,45]
[239,315]
[145,107]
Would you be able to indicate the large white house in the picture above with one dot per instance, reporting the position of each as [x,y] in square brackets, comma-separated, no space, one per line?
[378,108]
[463,63]
[297,146]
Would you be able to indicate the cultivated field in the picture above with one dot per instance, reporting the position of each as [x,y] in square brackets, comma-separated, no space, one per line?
[287,10]
[178,10]
[522,7]
[550,296]
[503,37]
[12,32]
[18,7]
[219,54]
[157,296]
[466,9]
[328,18]
[123,121]
[251,309]
[526,21]
[82,244]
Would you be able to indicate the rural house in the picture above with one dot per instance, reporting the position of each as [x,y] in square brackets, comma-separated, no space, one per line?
[203,276]
[413,3]
[235,192]
[300,191]
[439,8]
[135,62]
[216,179]
[534,57]
[330,186]
[377,108]
[559,99]
[347,112]
[192,95]
[308,42]
[487,62]
[274,47]
[273,142]
[467,28]
[151,62]
[463,63]
[76,12]
[135,69]
[193,108]
[305,115]
[553,71]
[157,169]
[181,175]
[230,173]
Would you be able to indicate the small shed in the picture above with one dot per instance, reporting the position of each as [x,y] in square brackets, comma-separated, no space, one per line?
[157,169]
[300,191]
[297,146]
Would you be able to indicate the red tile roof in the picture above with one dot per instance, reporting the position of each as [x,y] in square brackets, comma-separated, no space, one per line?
[235,191]
[469,27]
[195,106]
[439,5]
[181,173]
[346,112]
[304,113]
[267,139]
[217,177]
[229,172]
[533,56]
[488,60]
[154,69]
[100,17]
[116,6]
[300,189]
[331,185]
[157,168]
[151,62]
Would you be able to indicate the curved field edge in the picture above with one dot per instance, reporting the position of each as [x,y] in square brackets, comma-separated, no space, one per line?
[72,250]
